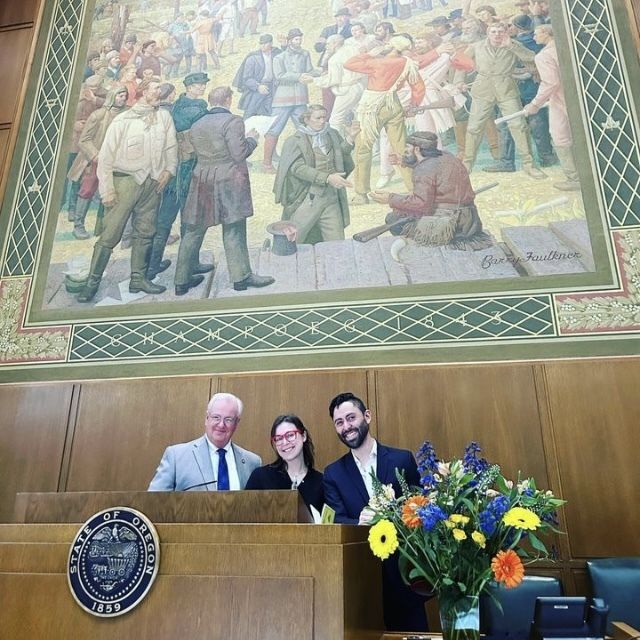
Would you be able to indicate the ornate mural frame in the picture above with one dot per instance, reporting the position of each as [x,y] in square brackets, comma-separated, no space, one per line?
[595,314]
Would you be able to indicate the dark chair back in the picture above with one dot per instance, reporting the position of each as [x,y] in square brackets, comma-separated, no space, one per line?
[617,582]
[518,604]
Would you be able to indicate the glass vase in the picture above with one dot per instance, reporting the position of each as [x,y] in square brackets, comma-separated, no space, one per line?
[460,618]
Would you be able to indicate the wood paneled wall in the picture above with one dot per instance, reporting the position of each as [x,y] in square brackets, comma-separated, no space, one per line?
[17,29]
[572,425]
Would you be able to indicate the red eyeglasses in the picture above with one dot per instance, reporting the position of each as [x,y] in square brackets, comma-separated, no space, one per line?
[288,436]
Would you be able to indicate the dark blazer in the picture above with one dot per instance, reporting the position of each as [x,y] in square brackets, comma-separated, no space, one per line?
[344,487]
[345,491]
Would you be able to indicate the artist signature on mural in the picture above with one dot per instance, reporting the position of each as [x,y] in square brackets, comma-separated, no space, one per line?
[530,256]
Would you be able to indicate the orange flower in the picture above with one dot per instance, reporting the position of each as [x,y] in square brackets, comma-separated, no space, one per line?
[410,508]
[507,567]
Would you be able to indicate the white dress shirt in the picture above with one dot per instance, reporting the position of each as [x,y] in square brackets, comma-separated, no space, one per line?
[365,469]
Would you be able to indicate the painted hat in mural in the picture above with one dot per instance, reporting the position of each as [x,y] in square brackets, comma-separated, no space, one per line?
[265,38]
[199,77]
[294,33]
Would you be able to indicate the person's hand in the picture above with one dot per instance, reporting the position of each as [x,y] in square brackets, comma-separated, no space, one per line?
[263,89]
[253,134]
[366,516]
[446,47]
[382,197]
[305,78]
[351,132]
[338,181]
[530,109]
[394,158]
[163,179]
[110,201]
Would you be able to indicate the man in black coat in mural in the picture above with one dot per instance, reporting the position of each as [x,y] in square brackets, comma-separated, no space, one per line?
[219,194]
[255,80]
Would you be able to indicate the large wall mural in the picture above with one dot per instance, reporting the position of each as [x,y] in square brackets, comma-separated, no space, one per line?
[234,185]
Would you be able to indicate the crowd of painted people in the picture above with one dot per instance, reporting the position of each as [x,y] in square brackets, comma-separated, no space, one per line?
[395,84]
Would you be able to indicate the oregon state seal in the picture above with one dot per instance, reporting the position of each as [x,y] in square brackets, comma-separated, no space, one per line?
[113,561]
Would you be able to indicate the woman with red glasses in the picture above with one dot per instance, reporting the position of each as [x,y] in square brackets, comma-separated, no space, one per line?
[293,466]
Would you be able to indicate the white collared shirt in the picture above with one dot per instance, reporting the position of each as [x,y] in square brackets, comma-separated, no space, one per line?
[234,478]
[365,470]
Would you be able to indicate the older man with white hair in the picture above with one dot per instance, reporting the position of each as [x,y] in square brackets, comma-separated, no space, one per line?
[211,462]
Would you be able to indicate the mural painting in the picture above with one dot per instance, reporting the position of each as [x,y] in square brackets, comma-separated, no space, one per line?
[231,148]
[241,185]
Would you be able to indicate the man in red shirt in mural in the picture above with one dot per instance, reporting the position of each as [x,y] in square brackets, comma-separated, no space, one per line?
[388,69]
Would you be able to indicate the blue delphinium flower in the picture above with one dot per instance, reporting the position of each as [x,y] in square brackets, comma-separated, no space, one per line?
[499,506]
[487,522]
[470,460]
[431,515]
[427,464]
[551,518]
[491,515]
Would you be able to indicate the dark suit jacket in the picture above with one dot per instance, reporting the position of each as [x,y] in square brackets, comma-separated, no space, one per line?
[344,488]
[345,491]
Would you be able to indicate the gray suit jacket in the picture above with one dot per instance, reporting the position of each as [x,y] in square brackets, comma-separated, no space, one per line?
[189,463]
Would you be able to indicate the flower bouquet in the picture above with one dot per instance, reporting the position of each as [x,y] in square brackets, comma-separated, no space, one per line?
[465,526]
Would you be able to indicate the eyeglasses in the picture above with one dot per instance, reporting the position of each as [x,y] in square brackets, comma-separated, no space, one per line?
[288,436]
[228,422]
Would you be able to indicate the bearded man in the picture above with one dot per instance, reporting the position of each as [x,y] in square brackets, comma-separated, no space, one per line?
[348,486]
[442,199]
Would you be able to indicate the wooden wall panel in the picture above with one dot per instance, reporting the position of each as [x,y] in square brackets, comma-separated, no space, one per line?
[124,426]
[495,405]
[594,409]
[14,52]
[304,394]
[33,423]
[18,11]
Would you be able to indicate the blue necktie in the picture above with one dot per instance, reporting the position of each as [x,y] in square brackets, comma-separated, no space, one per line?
[223,471]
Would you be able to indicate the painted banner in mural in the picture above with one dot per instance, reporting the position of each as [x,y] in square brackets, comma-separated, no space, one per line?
[209,179]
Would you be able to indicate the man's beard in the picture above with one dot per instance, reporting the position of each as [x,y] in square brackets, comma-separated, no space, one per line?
[409,160]
[362,429]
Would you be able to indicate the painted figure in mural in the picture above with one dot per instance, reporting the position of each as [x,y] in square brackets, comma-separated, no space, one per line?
[130,50]
[255,79]
[219,194]
[442,199]
[387,70]
[341,27]
[293,71]
[551,91]
[521,30]
[135,163]
[348,486]
[84,168]
[312,178]
[495,59]
[186,110]
[92,97]
[181,31]
[205,41]
[347,86]
[211,462]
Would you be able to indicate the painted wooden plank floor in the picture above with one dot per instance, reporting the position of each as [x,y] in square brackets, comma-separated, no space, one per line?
[346,264]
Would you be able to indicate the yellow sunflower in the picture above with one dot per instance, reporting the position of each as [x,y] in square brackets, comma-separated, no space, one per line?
[459,535]
[521,518]
[479,539]
[383,539]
